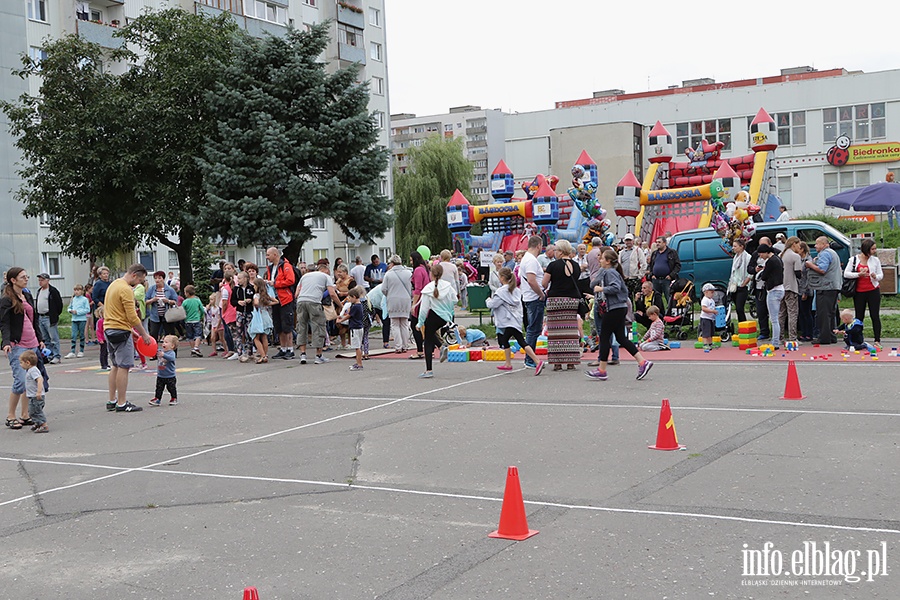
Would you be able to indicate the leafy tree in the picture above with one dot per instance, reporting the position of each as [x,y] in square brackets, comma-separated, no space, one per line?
[293,142]
[203,256]
[436,170]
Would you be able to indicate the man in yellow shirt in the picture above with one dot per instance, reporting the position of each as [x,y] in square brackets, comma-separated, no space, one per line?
[120,318]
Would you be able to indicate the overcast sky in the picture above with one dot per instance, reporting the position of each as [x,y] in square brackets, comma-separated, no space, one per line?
[524,55]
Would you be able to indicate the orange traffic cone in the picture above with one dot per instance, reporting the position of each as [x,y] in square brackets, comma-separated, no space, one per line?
[513,524]
[250,593]
[665,437]
[792,385]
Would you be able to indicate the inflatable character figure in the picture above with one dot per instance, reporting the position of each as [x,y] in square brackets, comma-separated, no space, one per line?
[699,158]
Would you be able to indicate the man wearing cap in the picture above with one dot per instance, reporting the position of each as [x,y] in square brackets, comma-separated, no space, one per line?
[633,265]
[509,260]
[49,307]
[778,246]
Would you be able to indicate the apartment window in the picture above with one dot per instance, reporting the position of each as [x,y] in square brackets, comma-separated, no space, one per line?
[37,10]
[384,187]
[50,263]
[232,6]
[791,128]
[690,134]
[784,189]
[317,223]
[37,54]
[378,86]
[379,118]
[845,180]
[350,35]
[448,127]
[312,3]
[374,17]
[419,129]
[375,51]
[45,220]
[481,164]
[319,254]
[860,122]
[432,128]
[266,11]
[173,259]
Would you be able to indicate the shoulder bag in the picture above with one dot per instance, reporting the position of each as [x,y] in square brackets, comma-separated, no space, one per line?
[848,288]
[175,314]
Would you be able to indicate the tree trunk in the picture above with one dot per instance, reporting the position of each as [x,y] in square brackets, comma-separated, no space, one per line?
[183,249]
[292,251]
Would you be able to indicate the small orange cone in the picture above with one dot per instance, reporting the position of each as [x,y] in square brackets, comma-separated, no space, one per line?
[665,437]
[250,593]
[513,524]
[792,385]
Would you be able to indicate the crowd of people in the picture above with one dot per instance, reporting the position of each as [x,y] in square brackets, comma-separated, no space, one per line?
[548,290]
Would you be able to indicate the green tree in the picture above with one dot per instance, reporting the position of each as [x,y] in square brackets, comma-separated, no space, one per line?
[203,257]
[293,142]
[436,170]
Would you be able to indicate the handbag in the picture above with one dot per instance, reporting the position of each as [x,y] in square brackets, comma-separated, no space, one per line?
[175,314]
[330,313]
[848,288]
[583,307]
[256,323]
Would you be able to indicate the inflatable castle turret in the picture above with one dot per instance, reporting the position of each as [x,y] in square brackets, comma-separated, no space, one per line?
[763,132]
[545,208]
[731,183]
[459,220]
[661,148]
[627,203]
[503,186]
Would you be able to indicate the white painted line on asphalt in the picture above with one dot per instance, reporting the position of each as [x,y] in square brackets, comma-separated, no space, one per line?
[248,441]
[376,488]
[238,394]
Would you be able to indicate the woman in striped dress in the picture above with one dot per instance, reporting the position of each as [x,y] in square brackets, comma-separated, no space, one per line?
[563,298]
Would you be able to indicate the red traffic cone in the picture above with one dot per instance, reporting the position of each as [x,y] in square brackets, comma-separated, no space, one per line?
[792,385]
[513,524]
[665,437]
[250,593]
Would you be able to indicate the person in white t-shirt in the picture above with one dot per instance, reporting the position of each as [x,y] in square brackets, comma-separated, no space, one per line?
[531,274]
[785,215]
[451,273]
[358,273]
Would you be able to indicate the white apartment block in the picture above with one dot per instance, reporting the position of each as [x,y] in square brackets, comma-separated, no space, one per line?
[359,37]
[482,131]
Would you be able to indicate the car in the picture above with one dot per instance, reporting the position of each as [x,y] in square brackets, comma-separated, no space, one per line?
[703,259]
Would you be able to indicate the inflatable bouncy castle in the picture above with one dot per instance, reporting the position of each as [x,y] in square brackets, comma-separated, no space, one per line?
[680,195]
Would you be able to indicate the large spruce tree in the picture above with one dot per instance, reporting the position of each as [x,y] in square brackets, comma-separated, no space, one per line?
[293,142]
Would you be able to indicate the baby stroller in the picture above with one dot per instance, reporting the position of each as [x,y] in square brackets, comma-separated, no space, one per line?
[679,317]
[724,328]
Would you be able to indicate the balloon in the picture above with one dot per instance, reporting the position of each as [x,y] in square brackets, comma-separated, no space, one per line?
[729,209]
[716,189]
[740,214]
[742,196]
[147,350]
[753,209]
[425,251]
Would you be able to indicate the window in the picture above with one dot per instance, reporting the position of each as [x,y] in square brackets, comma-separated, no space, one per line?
[689,135]
[37,10]
[378,90]
[50,263]
[350,35]
[448,127]
[374,17]
[312,3]
[379,118]
[148,260]
[84,12]
[319,254]
[791,128]
[384,187]
[375,51]
[845,180]
[481,164]
[317,223]
[173,259]
[45,220]
[232,6]
[784,189]
[37,54]
[266,11]
[861,122]
[385,254]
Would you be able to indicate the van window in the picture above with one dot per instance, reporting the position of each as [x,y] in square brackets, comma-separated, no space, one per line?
[809,236]
[709,249]
[685,250]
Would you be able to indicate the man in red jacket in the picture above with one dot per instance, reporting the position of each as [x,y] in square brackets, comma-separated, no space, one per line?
[280,275]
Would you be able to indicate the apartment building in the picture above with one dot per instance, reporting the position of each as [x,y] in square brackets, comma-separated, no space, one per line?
[482,130]
[359,37]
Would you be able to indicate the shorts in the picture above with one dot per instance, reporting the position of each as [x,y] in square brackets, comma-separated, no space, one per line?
[356,338]
[504,334]
[283,318]
[193,331]
[121,354]
[707,327]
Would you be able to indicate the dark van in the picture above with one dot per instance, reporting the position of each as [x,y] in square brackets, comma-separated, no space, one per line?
[704,260]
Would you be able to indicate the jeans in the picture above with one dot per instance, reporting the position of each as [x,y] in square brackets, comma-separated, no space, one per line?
[78,334]
[662,286]
[385,327]
[773,303]
[806,321]
[762,313]
[18,373]
[50,333]
[534,322]
[790,310]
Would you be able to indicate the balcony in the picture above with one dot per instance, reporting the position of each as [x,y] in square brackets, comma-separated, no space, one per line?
[476,130]
[476,143]
[99,34]
[353,54]
[348,15]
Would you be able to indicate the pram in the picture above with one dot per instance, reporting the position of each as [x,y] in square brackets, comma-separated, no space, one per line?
[724,328]
[679,317]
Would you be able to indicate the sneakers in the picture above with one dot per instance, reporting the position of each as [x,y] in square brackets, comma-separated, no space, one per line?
[213,353]
[321,360]
[128,407]
[303,359]
[154,402]
[70,355]
[79,355]
[244,359]
[505,368]
[613,362]
[279,354]
[196,352]
[426,375]
[289,355]
[233,356]
[110,406]
[644,369]
[597,374]
[173,402]
[445,352]
[539,368]
[529,365]
[356,367]
[55,360]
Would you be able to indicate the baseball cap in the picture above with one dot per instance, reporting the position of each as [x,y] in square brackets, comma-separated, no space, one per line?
[780,236]
[43,276]
[628,236]
[708,287]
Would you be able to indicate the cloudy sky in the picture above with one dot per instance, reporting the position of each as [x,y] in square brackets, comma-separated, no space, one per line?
[524,55]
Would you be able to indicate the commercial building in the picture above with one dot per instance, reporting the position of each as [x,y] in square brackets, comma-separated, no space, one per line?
[482,130]
[359,37]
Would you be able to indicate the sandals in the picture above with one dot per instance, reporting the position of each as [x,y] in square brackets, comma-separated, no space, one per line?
[557,367]
[416,356]
[570,368]
[14,423]
[262,359]
[42,428]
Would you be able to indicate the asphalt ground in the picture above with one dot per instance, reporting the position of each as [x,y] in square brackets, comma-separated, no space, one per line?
[313,482]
